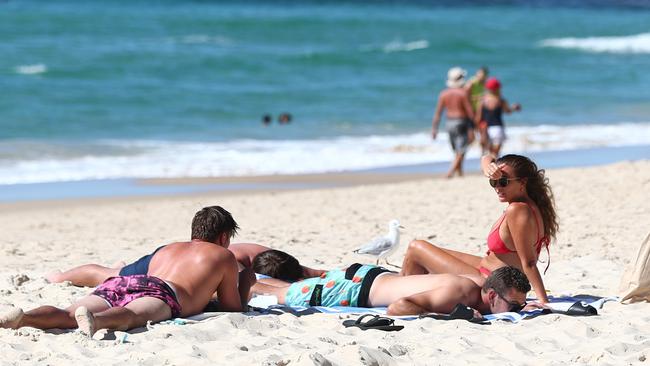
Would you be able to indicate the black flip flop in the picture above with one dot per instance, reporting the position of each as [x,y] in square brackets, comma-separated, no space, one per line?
[375,322]
[460,312]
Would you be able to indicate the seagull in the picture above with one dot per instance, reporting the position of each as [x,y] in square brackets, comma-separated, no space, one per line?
[383,246]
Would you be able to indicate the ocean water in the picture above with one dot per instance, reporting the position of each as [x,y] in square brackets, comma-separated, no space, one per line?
[140,89]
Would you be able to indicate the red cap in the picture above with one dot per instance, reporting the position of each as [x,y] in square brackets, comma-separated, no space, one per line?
[492,84]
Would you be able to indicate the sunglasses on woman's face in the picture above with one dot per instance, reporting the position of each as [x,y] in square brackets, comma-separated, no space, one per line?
[515,307]
[501,182]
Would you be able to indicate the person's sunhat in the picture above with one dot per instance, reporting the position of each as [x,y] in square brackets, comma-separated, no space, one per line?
[456,77]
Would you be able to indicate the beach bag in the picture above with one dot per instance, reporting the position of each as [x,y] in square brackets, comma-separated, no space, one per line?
[635,283]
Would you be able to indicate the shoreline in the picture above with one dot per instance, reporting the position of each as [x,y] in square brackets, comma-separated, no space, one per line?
[159,187]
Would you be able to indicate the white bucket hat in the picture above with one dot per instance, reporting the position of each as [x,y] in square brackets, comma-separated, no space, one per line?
[456,77]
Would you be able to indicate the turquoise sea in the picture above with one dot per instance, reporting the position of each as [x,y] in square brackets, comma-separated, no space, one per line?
[139,89]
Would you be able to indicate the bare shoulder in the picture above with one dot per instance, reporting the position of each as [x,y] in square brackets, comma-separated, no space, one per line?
[213,252]
[247,248]
[518,209]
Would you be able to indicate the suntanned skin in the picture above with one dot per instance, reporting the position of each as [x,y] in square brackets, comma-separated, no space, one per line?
[456,102]
[418,294]
[91,275]
[194,269]
[519,231]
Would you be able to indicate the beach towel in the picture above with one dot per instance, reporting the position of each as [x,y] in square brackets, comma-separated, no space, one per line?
[635,283]
[577,305]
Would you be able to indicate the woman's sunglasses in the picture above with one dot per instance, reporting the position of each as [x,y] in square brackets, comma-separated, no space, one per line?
[501,182]
[515,307]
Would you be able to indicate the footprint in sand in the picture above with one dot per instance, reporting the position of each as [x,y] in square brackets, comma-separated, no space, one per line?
[373,357]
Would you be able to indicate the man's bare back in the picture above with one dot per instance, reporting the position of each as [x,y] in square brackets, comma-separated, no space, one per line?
[441,291]
[213,268]
[456,102]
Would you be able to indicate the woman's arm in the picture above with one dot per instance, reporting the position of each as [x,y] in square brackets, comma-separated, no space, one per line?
[490,168]
[523,233]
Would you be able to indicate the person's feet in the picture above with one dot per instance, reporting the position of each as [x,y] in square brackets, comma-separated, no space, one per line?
[85,321]
[11,318]
[54,277]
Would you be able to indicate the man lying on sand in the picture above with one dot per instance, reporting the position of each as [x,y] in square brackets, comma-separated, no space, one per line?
[180,281]
[91,275]
[371,286]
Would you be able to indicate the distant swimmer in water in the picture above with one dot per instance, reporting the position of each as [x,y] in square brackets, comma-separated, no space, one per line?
[284,118]
[266,119]
[490,113]
[459,115]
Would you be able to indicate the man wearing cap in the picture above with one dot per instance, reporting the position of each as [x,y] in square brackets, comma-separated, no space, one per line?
[455,100]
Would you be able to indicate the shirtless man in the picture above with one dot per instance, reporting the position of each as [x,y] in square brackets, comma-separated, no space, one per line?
[181,280]
[460,115]
[91,275]
[370,286]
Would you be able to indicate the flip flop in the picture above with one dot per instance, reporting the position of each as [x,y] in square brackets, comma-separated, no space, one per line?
[375,322]
[460,312]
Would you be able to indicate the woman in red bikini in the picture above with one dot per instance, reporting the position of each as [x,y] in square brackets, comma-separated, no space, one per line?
[516,239]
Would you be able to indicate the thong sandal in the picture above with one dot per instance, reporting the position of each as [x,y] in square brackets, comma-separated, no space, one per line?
[460,312]
[375,322]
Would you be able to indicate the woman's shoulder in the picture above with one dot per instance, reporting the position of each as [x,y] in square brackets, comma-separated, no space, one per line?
[519,210]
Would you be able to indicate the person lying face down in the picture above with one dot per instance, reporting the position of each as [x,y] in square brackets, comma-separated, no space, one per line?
[288,268]
[180,281]
[371,286]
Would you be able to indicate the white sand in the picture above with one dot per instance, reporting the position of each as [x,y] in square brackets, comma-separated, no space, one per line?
[604,215]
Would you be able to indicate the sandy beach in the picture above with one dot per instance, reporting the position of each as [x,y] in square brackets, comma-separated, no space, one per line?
[604,216]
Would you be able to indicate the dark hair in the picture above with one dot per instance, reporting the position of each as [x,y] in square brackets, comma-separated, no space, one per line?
[211,222]
[505,278]
[484,69]
[278,264]
[537,188]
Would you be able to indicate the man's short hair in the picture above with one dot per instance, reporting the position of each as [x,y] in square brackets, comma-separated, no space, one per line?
[505,278]
[278,264]
[211,222]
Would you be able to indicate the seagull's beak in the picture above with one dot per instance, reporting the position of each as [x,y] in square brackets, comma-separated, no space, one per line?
[401,227]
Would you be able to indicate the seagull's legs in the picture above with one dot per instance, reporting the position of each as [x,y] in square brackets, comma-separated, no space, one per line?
[394,265]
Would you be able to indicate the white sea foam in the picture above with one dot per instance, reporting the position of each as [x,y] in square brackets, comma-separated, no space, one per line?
[398,46]
[639,43]
[31,69]
[151,159]
[205,39]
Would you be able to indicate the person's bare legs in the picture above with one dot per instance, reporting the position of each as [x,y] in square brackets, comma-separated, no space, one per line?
[135,314]
[495,149]
[471,136]
[48,317]
[271,286]
[456,166]
[88,275]
[423,257]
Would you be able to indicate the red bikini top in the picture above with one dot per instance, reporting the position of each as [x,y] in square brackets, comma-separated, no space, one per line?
[497,246]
